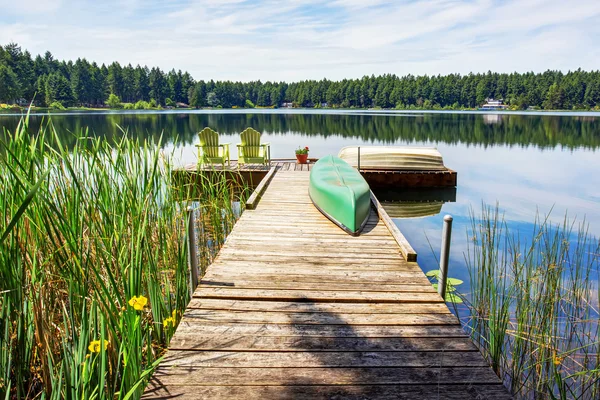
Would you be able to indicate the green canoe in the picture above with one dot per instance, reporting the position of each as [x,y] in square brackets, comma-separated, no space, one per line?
[340,193]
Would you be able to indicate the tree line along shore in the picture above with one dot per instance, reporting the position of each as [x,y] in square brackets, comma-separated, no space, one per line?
[61,84]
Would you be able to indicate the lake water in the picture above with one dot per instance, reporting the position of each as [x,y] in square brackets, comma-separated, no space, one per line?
[528,164]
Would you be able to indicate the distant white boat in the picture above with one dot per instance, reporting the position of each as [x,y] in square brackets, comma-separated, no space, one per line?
[393,158]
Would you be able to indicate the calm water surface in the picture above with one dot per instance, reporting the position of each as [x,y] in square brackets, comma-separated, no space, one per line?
[528,164]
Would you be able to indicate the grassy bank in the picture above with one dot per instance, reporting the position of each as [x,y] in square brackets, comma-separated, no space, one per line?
[535,306]
[93,263]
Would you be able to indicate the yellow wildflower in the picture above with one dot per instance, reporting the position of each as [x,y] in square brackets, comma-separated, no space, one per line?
[169,320]
[557,360]
[138,302]
[96,347]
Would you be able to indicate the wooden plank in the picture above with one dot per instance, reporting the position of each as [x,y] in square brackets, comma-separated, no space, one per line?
[255,196]
[291,238]
[203,376]
[407,251]
[324,275]
[312,252]
[191,327]
[298,307]
[469,391]
[193,341]
[337,359]
[318,277]
[318,295]
[332,264]
[291,285]
[261,317]
[342,276]
[311,262]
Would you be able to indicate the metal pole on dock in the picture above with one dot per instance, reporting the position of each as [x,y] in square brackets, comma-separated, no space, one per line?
[358,158]
[192,249]
[444,255]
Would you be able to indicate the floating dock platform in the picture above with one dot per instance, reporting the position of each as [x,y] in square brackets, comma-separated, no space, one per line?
[377,179]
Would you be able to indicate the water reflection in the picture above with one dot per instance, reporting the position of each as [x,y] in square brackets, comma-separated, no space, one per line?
[450,128]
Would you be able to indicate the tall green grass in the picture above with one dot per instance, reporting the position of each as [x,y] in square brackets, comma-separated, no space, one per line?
[535,306]
[93,262]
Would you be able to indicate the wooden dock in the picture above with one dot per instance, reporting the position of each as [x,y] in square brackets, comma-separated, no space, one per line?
[294,308]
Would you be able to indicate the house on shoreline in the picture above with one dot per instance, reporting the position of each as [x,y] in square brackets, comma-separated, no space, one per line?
[493,105]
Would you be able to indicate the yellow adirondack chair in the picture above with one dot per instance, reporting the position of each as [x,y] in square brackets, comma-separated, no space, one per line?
[251,150]
[209,149]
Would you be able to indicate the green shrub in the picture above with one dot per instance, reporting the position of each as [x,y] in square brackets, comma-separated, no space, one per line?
[57,105]
[113,101]
[152,103]
[141,105]
[128,106]
[249,104]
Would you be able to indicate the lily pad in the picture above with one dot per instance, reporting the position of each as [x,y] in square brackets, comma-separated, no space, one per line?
[454,281]
[434,273]
[452,298]
[448,288]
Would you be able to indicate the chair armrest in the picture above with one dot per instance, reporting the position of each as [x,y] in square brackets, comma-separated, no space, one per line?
[265,144]
[225,144]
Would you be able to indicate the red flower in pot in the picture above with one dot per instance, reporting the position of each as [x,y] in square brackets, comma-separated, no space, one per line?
[302,154]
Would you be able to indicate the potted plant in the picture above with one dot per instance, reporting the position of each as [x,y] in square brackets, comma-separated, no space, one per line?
[302,154]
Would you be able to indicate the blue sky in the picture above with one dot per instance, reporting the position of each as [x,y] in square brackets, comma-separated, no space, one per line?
[310,39]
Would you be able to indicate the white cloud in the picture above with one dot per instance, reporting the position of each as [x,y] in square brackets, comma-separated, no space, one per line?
[303,39]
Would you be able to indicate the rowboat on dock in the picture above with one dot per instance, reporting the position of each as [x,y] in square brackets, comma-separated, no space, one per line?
[340,193]
[393,158]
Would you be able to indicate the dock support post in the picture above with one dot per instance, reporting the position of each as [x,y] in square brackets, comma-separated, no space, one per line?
[358,159]
[192,250]
[444,255]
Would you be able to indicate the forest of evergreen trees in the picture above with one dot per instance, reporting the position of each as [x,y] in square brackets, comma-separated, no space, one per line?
[81,83]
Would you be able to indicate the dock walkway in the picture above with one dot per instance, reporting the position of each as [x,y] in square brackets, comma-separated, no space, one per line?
[294,308]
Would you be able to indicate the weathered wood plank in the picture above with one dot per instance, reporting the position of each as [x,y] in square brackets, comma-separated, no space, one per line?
[347,276]
[298,307]
[312,275]
[450,391]
[330,263]
[291,285]
[309,359]
[260,317]
[255,196]
[193,341]
[320,270]
[317,295]
[204,329]
[407,251]
[327,376]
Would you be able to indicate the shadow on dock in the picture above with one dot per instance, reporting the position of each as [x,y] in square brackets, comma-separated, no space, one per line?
[338,361]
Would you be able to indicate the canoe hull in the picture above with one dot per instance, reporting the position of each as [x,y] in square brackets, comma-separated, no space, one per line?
[390,158]
[340,193]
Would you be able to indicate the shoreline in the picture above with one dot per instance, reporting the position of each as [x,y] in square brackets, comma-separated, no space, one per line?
[298,110]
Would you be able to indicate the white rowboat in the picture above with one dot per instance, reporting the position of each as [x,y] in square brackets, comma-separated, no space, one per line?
[393,158]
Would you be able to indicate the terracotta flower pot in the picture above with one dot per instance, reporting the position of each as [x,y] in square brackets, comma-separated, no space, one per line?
[302,158]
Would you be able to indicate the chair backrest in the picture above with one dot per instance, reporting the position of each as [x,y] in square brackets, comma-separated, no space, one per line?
[209,140]
[250,139]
